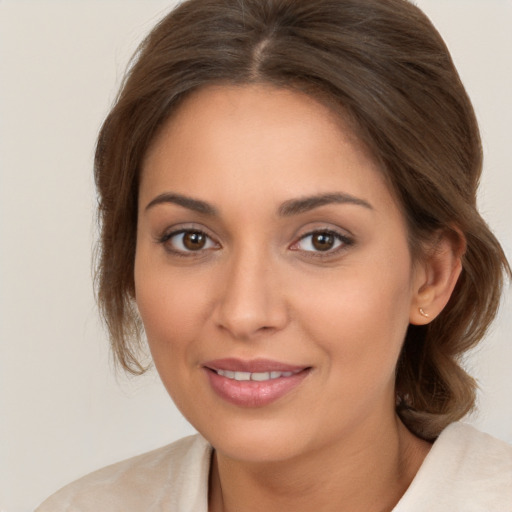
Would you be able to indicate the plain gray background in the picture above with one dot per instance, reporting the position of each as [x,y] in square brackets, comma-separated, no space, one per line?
[63,410]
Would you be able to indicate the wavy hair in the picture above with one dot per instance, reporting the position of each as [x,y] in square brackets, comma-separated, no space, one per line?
[382,65]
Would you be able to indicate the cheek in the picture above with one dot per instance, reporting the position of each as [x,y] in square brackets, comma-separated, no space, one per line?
[360,318]
[172,312]
[171,306]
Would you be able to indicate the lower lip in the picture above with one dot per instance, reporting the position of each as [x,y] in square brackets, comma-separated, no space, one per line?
[248,393]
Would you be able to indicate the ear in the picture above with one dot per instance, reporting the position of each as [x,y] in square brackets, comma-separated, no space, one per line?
[435,276]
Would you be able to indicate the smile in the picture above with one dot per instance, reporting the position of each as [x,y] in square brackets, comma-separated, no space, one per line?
[255,383]
[256,376]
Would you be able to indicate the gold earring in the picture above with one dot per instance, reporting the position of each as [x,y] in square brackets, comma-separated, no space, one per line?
[426,315]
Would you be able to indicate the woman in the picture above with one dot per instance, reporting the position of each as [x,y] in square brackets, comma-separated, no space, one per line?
[287,197]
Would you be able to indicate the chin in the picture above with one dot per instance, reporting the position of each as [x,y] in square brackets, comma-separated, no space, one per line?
[258,440]
[259,447]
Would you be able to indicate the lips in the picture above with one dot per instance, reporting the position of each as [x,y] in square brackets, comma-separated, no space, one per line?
[256,376]
[254,366]
[253,383]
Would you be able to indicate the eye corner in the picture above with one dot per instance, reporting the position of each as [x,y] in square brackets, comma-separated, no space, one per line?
[328,243]
[187,241]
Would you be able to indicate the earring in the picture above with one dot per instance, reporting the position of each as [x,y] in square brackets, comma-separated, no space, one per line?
[426,315]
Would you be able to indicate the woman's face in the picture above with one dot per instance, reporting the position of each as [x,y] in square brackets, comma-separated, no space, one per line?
[272,273]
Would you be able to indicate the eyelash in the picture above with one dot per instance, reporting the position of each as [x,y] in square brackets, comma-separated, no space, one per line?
[343,241]
[164,240]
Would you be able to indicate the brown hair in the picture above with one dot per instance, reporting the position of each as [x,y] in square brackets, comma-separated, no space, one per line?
[384,64]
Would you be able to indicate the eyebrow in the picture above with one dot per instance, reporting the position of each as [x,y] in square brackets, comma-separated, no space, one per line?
[287,209]
[195,205]
[305,204]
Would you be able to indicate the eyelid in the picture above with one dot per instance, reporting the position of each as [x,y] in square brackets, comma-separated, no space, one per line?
[174,231]
[344,239]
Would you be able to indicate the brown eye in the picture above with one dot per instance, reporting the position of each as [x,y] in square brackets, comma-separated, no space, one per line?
[323,241]
[194,240]
[187,241]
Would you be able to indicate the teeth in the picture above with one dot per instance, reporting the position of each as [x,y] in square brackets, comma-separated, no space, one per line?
[259,377]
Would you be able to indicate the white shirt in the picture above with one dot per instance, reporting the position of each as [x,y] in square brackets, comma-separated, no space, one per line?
[465,471]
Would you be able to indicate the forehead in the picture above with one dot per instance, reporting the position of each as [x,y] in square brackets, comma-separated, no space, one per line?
[257,137]
[259,107]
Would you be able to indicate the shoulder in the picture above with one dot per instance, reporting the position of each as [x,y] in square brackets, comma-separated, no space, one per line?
[466,470]
[173,477]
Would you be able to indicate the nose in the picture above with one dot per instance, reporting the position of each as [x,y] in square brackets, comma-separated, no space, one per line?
[252,301]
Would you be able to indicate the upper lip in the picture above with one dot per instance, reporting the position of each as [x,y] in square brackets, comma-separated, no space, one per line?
[252,366]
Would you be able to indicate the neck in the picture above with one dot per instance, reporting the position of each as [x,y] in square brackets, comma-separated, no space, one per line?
[370,470]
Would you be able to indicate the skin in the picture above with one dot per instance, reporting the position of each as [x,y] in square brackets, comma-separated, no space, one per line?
[260,288]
